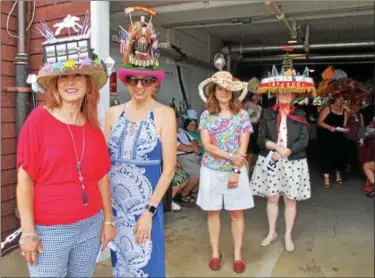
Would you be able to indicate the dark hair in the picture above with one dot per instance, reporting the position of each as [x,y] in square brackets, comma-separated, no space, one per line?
[188,121]
[213,106]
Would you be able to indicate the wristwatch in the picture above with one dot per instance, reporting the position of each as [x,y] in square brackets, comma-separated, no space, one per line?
[236,170]
[151,209]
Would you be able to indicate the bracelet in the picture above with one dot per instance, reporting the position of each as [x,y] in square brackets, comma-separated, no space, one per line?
[109,223]
[230,157]
[25,235]
[277,148]
[29,235]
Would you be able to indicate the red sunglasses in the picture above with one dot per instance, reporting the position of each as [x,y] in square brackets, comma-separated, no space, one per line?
[145,81]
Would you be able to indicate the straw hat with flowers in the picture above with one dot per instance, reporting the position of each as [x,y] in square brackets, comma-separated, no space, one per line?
[225,80]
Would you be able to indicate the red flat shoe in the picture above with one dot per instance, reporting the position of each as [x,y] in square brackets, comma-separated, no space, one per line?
[367,186]
[215,263]
[239,266]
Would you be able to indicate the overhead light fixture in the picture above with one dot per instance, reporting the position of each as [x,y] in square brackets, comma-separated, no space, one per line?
[311,70]
[292,41]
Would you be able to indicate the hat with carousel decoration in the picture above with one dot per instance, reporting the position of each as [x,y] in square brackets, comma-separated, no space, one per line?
[139,46]
[71,53]
[287,80]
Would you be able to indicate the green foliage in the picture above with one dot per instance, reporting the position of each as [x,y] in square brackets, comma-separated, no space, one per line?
[152,67]
[287,63]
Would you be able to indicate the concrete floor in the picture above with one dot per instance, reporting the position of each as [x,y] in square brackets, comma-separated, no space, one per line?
[334,237]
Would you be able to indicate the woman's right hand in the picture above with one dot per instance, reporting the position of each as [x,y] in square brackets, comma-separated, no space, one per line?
[30,247]
[332,129]
[238,160]
[195,149]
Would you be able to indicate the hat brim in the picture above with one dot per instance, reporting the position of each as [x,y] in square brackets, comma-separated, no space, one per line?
[295,90]
[98,75]
[210,87]
[123,73]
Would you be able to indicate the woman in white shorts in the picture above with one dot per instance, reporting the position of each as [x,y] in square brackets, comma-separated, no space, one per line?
[225,131]
[281,168]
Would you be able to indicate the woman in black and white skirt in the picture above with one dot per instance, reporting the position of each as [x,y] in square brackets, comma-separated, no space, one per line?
[281,168]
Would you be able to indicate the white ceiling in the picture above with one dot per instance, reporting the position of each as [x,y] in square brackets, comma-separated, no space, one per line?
[330,21]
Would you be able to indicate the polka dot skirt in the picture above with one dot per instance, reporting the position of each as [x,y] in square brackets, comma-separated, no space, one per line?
[292,179]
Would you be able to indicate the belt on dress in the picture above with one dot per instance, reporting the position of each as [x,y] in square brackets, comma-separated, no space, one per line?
[185,153]
[136,162]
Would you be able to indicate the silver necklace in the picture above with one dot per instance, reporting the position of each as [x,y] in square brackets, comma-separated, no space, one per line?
[79,162]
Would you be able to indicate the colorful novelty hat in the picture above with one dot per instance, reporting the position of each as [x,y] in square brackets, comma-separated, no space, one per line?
[71,54]
[287,80]
[140,47]
[336,83]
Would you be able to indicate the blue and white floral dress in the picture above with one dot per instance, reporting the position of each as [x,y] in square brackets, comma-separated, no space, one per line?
[135,152]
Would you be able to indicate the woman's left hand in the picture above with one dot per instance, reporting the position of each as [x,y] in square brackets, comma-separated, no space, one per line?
[108,234]
[285,152]
[143,228]
[233,180]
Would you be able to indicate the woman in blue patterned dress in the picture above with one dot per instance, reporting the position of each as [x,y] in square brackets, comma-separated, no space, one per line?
[141,137]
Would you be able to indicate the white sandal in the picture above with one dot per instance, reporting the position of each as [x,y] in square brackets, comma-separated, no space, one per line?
[175,206]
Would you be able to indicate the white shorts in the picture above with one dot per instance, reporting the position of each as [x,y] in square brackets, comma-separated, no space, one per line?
[214,191]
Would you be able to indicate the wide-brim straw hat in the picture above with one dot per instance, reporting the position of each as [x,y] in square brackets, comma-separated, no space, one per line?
[225,80]
[95,70]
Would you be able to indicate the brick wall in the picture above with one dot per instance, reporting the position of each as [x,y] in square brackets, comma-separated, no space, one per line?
[50,12]
[8,119]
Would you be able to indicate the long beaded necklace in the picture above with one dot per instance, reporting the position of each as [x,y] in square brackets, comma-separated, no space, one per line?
[79,162]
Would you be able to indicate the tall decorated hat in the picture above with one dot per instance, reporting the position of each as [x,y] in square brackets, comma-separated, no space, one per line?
[70,53]
[139,45]
[224,79]
[287,80]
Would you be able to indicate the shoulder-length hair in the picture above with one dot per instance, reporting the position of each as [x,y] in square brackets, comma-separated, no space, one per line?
[188,121]
[89,105]
[213,106]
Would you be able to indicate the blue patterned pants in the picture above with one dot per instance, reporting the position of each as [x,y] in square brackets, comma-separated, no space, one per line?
[69,250]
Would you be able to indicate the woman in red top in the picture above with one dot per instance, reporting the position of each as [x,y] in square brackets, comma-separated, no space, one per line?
[62,160]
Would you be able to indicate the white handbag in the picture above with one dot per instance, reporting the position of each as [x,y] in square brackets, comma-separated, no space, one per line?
[105,254]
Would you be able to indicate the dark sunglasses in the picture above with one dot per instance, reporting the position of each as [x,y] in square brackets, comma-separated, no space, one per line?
[145,81]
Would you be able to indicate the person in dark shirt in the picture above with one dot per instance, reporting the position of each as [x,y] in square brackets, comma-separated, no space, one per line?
[368,114]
